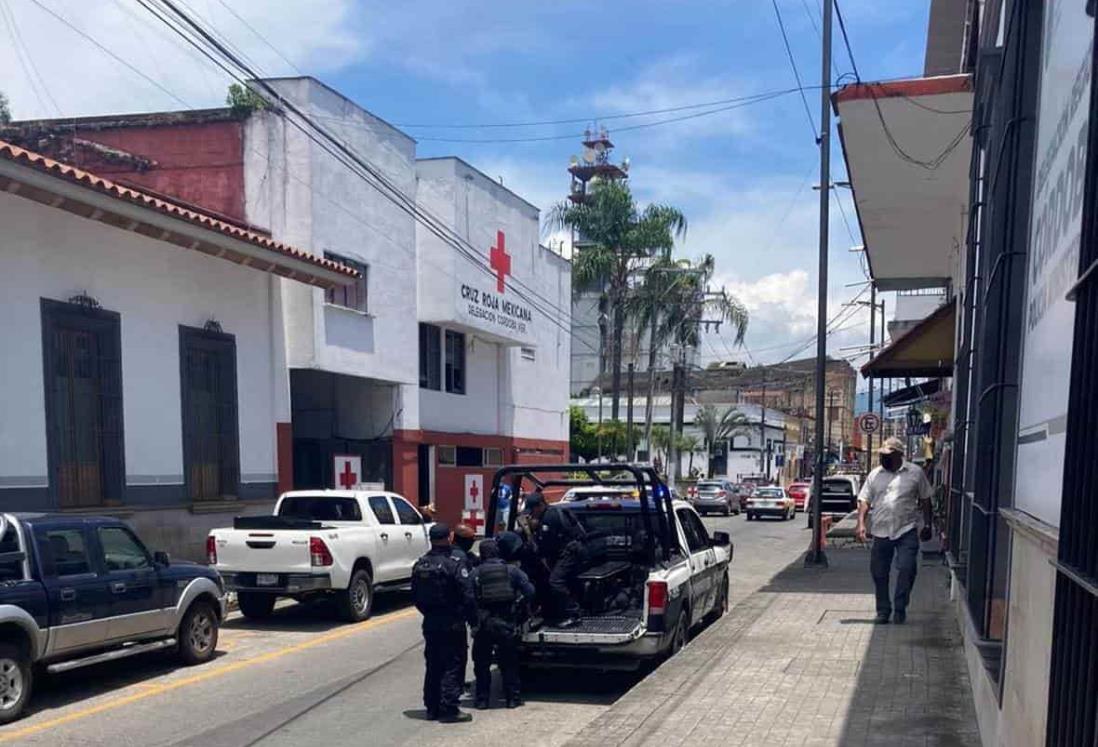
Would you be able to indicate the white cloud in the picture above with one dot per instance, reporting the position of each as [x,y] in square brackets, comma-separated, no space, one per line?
[83,80]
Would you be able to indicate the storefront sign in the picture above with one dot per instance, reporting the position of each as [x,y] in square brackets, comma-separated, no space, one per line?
[502,312]
[474,492]
[347,471]
[1053,260]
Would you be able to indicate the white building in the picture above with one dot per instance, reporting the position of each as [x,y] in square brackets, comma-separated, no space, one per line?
[143,353]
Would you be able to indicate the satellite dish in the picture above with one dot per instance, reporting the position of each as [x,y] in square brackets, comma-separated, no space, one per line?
[588,155]
[573,161]
[600,147]
[625,164]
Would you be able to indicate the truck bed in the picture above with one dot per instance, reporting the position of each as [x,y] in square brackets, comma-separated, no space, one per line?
[599,624]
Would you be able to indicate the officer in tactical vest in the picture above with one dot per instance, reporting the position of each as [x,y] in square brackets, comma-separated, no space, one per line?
[560,544]
[503,593]
[443,593]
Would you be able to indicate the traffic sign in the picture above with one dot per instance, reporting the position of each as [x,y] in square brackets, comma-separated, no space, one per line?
[474,492]
[870,423]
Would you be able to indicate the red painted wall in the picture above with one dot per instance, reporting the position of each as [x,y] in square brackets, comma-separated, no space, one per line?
[200,162]
[450,481]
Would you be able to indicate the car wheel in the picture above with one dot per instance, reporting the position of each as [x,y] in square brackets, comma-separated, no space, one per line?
[255,605]
[721,605]
[198,633]
[356,603]
[681,635]
[727,510]
[16,678]
[750,516]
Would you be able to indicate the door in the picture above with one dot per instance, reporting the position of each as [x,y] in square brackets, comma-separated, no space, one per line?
[135,601]
[702,563]
[423,464]
[77,593]
[413,530]
[211,453]
[391,543]
[83,403]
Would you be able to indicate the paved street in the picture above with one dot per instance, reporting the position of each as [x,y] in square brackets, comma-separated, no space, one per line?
[302,678]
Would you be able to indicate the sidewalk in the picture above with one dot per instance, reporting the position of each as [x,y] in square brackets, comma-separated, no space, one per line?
[800,662]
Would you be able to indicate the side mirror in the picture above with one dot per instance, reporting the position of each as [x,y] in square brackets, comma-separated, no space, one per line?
[721,539]
[162,558]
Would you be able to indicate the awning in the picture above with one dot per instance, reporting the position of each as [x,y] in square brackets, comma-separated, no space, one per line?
[913,394]
[925,350]
[907,149]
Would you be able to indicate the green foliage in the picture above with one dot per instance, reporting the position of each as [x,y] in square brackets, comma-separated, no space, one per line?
[582,438]
[5,109]
[244,100]
[717,425]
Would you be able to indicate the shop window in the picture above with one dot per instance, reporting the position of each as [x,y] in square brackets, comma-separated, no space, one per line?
[430,357]
[493,457]
[354,294]
[447,456]
[455,362]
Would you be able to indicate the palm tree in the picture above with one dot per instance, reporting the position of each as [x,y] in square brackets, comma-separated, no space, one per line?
[716,426]
[689,444]
[659,442]
[621,238]
[668,304]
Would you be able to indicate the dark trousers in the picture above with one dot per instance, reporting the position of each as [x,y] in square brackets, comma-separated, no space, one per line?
[569,565]
[498,639]
[905,548]
[445,654]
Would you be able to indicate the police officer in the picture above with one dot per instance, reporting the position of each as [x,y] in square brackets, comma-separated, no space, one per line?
[503,593]
[560,544]
[442,592]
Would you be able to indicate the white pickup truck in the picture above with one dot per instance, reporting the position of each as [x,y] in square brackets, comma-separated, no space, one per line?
[343,543]
[654,574]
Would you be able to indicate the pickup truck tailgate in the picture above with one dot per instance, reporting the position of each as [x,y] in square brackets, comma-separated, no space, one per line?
[278,550]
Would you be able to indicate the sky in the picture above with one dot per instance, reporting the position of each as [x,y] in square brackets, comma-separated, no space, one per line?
[744,177]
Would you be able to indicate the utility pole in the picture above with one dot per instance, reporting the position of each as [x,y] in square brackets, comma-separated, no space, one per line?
[872,342]
[764,453]
[882,403]
[815,556]
[672,451]
[629,418]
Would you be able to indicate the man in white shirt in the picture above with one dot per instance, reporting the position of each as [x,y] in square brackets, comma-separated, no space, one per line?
[894,497]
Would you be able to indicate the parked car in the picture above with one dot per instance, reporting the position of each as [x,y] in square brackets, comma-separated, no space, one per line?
[716,495]
[661,574]
[770,500]
[799,492]
[344,544]
[80,590]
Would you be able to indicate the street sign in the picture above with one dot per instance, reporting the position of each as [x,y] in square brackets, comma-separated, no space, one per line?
[870,423]
[347,470]
[474,492]
[474,520]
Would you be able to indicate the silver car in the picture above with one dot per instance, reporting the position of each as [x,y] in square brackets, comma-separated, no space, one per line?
[716,495]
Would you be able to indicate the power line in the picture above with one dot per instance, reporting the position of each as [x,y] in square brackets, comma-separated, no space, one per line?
[348,157]
[846,41]
[260,36]
[22,53]
[796,73]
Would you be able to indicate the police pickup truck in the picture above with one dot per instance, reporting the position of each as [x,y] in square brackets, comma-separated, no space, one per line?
[77,590]
[654,573]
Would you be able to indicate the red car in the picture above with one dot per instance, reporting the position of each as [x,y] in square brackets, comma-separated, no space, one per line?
[799,492]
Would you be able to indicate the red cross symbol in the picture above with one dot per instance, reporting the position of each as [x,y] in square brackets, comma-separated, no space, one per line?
[347,478]
[474,491]
[500,260]
[472,518]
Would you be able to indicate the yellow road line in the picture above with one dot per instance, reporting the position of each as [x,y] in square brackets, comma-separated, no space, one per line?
[159,689]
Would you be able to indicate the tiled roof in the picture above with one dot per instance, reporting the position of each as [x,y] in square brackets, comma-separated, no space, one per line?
[64,171]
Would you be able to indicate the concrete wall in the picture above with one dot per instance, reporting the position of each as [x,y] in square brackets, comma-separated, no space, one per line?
[311,200]
[154,287]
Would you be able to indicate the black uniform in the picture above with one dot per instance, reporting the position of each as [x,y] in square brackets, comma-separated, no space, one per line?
[443,593]
[560,542]
[502,592]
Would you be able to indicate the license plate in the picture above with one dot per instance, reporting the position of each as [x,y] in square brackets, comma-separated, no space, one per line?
[266,579]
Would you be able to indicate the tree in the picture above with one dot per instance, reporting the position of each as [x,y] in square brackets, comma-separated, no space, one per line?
[717,426]
[668,305]
[689,444]
[5,109]
[660,441]
[582,438]
[244,100]
[622,237]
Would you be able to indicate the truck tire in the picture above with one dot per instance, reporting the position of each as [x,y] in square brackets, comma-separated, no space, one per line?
[722,603]
[16,679]
[357,601]
[197,633]
[255,605]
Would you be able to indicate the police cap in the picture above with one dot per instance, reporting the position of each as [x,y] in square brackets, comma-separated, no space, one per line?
[439,531]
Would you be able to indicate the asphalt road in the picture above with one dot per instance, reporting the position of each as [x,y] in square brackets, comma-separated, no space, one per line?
[302,678]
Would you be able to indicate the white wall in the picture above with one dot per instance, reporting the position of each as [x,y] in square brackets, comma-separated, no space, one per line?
[309,199]
[155,287]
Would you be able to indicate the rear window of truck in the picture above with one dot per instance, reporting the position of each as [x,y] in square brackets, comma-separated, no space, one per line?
[319,508]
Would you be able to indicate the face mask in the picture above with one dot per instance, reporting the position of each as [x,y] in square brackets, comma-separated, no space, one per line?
[891,462]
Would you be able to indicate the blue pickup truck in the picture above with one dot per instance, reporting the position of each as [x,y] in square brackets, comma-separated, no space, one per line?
[77,590]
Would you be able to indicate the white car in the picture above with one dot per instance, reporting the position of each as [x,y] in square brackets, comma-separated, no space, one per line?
[770,500]
[342,543]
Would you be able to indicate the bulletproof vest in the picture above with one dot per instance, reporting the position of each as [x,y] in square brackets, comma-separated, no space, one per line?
[493,588]
[432,584]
